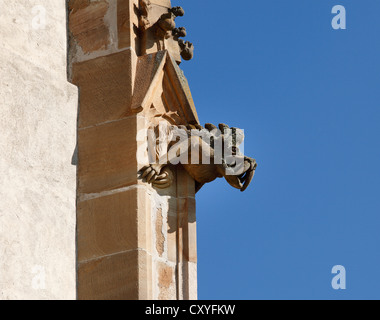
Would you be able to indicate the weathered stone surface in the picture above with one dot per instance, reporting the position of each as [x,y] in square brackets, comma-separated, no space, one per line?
[160,236]
[112,223]
[123,276]
[187,246]
[172,226]
[127,20]
[185,185]
[133,239]
[87,24]
[107,156]
[166,282]
[106,86]
[149,69]
[130,236]
[37,141]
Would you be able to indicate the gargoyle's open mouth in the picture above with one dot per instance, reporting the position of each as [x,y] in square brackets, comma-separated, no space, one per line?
[242,181]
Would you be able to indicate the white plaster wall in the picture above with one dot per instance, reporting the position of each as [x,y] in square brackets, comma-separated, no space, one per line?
[38,114]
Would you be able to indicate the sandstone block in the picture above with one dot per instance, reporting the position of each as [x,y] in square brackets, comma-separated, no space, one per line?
[124,276]
[107,157]
[111,224]
[106,85]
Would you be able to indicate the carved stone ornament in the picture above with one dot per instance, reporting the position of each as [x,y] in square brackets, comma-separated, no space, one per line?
[144,7]
[162,96]
[238,173]
[165,25]
[162,29]
[187,49]
[179,32]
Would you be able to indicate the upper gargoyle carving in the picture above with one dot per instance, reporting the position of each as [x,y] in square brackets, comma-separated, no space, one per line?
[166,24]
[144,7]
[205,153]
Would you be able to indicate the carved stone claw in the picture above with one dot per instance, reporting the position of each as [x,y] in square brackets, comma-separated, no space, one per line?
[154,175]
[149,174]
[163,181]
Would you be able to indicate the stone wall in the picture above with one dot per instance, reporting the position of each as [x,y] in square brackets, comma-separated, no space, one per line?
[38,117]
[75,220]
[134,242]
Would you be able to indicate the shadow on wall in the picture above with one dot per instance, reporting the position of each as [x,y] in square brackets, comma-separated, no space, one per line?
[74,158]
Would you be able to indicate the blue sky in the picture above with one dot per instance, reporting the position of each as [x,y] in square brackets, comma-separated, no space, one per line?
[308,99]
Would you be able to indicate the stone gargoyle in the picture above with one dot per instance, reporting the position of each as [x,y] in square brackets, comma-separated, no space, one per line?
[187,49]
[166,24]
[218,149]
